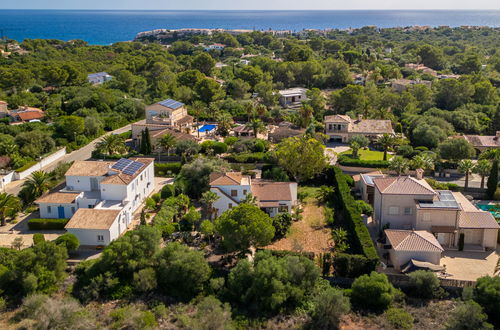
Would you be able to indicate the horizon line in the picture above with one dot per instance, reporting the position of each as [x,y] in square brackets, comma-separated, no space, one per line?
[282,10]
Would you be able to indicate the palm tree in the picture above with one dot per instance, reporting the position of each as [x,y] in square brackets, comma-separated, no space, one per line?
[9,206]
[483,168]
[111,144]
[306,114]
[249,109]
[208,198]
[399,164]
[250,199]
[466,166]
[197,108]
[167,142]
[257,126]
[224,123]
[387,142]
[423,161]
[37,184]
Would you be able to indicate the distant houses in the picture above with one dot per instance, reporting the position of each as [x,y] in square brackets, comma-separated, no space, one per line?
[483,142]
[292,97]
[99,78]
[340,128]
[23,114]
[400,85]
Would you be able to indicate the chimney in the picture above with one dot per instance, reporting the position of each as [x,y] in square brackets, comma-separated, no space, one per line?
[497,136]
[419,173]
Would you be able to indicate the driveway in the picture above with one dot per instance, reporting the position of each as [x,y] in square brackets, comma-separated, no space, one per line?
[333,149]
[469,265]
[83,153]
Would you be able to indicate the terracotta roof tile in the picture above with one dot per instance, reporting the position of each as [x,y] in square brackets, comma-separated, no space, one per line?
[226,179]
[404,185]
[338,118]
[478,219]
[371,126]
[92,219]
[266,191]
[89,168]
[487,141]
[58,198]
[413,240]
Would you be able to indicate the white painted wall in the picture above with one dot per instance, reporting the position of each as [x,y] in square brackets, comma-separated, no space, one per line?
[222,204]
[241,191]
[438,217]
[44,162]
[89,236]
[51,210]
[400,258]
[6,179]
[490,238]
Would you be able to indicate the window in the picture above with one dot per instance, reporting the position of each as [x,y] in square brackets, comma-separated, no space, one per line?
[91,206]
[282,208]
[244,192]
[330,127]
[234,193]
[100,238]
[49,209]
[230,205]
[426,217]
[408,211]
[393,210]
[73,209]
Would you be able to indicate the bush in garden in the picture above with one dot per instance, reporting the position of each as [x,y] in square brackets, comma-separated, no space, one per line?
[364,207]
[38,238]
[424,284]
[281,224]
[398,318]
[372,292]
[468,315]
[47,224]
[487,294]
[330,305]
[69,241]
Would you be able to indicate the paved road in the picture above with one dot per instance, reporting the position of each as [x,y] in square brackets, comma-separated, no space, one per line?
[80,154]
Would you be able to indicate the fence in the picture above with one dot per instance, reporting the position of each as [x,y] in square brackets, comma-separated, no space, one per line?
[43,162]
[6,179]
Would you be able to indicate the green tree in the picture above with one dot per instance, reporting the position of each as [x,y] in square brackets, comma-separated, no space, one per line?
[492,183]
[244,226]
[466,166]
[257,126]
[69,241]
[373,292]
[282,223]
[195,175]
[357,142]
[182,273]
[207,228]
[146,147]
[204,63]
[350,98]
[37,184]
[424,284]
[70,126]
[483,168]
[224,123]
[424,161]
[487,294]
[467,316]
[9,206]
[302,157]
[432,57]
[386,141]
[111,144]
[399,165]
[208,90]
[456,149]
[167,142]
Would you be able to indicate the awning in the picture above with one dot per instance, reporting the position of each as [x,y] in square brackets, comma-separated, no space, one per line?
[443,229]
[414,265]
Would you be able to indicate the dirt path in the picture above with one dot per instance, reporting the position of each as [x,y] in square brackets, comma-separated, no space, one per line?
[310,234]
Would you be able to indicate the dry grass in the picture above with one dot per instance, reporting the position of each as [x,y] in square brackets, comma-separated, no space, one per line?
[310,234]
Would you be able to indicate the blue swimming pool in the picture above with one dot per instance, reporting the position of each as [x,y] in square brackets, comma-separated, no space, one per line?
[489,208]
[207,128]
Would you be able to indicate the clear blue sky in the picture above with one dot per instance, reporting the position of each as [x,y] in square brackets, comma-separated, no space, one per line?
[250,4]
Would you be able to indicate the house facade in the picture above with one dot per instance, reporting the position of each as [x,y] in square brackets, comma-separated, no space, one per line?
[410,203]
[292,97]
[99,78]
[272,197]
[168,113]
[97,190]
[483,142]
[340,128]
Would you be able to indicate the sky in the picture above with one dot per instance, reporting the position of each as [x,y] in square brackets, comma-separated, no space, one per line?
[250,4]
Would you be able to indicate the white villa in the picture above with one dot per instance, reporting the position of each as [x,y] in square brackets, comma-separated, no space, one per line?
[100,198]
[99,78]
[292,97]
[340,128]
[272,197]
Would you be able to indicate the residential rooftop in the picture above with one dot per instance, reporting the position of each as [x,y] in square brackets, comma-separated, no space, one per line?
[92,219]
[413,240]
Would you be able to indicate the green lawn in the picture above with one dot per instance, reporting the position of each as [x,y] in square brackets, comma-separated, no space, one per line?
[366,154]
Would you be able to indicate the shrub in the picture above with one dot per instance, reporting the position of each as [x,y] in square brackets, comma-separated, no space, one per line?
[167,169]
[461,242]
[38,238]
[487,294]
[329,306]
[247,157]
[364,207]
[167,191]
[68,240]
[372,292]
[352,265]
[398,318]
[281,224]
[47,224]
[424,284]
[275,173]
[345,160]
[230,140]
[468,315]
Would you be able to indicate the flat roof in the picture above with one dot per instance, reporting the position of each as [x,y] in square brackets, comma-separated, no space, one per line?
[446,200]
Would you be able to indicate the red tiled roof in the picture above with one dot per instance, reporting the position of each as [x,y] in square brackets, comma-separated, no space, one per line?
[225,179]
[267,191]
[477,220]
[30,115]
[404,185]
[413,240]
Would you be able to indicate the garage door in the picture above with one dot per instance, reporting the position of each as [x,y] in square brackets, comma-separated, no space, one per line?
[473,236]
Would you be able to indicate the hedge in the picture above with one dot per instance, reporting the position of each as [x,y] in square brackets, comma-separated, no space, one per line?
[247,157]
[348,161]
[348,216]
[162,169]
[26,166]
[47,224]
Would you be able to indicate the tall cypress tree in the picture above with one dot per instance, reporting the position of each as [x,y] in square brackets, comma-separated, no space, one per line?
[492,183]
[148,148]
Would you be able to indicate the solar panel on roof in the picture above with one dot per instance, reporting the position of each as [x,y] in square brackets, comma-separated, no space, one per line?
[133,168]
[121,164]
[172,104]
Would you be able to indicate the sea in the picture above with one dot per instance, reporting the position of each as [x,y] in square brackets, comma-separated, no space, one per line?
[104,27]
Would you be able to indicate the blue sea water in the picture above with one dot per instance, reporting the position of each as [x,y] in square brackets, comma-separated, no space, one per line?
[102,27]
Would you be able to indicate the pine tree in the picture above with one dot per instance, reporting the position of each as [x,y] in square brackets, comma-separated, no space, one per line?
[492,183]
